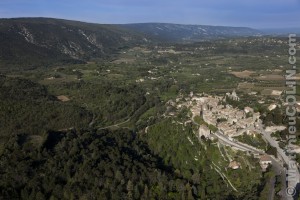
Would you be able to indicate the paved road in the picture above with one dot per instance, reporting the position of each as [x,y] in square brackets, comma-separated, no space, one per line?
[282,154]
[275,162]
[233,143]
[273,143]
[280,170]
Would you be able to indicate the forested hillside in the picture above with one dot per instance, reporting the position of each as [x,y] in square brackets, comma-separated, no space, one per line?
[26,107]
[88,165]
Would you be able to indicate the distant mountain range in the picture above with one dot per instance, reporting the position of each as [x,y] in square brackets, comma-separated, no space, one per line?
[46,41]
[190,33]
[281,31]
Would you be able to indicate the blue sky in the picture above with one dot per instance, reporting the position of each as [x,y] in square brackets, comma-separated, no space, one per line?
[250,13]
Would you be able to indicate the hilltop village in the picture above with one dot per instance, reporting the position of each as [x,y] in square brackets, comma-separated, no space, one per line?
[217,113]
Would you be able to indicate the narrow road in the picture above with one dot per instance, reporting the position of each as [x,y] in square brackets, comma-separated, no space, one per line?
[93,120]
[114,125]
[272,190]
[279,171]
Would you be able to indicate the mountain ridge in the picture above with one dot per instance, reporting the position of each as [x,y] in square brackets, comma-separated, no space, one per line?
[45,41]
[42,41]
[174,32]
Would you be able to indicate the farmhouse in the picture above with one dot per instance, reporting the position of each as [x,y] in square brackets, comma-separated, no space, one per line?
[265,161]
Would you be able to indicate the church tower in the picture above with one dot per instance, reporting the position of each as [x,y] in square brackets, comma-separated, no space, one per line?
[201,112]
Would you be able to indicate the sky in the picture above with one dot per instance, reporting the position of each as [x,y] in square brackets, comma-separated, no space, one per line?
[261,14]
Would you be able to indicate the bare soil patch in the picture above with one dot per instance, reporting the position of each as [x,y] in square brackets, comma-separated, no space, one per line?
[246,85]
[243,74]
[63,98]
[270,77]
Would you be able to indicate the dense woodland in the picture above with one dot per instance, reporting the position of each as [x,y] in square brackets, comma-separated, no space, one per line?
[88,165]
[27,107]
[101,165]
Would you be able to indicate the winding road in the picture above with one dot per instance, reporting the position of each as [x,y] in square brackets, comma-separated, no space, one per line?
[115,125]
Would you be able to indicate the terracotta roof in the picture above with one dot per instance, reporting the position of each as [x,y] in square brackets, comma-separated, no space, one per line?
[265,158]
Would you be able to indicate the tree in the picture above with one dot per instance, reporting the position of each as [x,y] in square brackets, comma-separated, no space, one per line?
[272,151]
[146,192]
[136,192]
[196,178]
[190,195]
[39,196]
[129,188]
[119,176]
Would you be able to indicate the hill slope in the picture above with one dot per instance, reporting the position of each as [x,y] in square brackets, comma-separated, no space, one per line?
[43,41]
[27,107]
[190,33]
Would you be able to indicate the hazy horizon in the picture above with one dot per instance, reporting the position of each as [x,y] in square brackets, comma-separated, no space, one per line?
[270,14]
